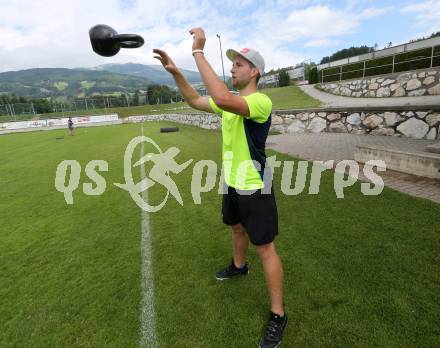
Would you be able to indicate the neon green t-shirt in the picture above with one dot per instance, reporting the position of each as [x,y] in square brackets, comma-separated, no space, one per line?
[244,139]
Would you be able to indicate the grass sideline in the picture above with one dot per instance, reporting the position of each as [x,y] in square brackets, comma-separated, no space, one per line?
[291,97]
[360,271]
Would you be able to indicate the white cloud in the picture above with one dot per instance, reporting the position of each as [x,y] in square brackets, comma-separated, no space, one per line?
[421,6]
[321,43]
[326,22]
[51,33]
[374,12]
[427,15]
[316,22]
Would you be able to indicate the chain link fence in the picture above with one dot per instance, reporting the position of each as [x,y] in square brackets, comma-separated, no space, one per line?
[88,106]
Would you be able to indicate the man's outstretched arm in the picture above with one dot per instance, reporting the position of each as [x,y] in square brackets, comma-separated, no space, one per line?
[217,88]
[191,96]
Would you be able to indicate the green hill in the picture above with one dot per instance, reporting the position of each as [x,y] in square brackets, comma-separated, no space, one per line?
[57,82]
[154,73]
[103,79]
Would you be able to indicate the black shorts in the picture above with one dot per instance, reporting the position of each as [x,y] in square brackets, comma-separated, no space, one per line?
[257,212]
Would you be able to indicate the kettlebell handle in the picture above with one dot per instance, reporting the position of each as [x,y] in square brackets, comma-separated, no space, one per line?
[107,42]
[129,40]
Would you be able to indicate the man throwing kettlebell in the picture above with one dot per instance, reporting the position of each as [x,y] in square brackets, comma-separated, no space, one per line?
[249,205]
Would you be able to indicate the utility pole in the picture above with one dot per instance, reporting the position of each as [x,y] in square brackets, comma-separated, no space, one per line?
[221,56]
[13,111]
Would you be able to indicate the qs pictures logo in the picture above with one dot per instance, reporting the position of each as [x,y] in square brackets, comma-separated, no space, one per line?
[163,167]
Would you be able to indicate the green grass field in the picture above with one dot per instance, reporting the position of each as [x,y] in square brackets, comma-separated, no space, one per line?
[361,271]
[290,97]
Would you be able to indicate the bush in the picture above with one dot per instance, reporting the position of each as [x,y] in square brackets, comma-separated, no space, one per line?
[379,66]
[418,59]
[313,75]
[331,74]
[284,79]
[436,60]
[352,71]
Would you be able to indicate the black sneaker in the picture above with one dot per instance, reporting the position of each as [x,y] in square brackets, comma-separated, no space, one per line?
[232,271]
[274,331]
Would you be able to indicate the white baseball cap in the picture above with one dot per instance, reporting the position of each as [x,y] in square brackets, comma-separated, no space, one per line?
[249,54]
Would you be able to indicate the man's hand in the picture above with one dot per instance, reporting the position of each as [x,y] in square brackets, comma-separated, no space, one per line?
[199,38]
[189,93]
[166,61]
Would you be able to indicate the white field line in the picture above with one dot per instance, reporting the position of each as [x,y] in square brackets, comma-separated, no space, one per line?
[147,315]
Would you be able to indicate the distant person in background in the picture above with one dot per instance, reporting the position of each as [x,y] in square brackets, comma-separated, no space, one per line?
[70,125]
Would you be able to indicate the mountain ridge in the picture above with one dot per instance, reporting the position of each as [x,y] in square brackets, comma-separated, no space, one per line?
[82,82]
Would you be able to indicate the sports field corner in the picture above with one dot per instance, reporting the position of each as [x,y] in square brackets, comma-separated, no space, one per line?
[362,271]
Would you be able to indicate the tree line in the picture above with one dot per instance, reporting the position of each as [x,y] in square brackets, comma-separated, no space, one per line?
[155,94]
[40,105]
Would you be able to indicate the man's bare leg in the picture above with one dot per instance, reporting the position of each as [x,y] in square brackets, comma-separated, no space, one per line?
[273,272]
[240,243]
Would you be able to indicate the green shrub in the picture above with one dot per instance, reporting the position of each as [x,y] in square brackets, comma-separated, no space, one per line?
[284,79]
[313,75]
[331,74]
[379,66]
[436,60]
[418,59]
[352,71]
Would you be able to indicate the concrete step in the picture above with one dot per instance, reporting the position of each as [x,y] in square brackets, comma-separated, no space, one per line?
[423,164]
[434,148]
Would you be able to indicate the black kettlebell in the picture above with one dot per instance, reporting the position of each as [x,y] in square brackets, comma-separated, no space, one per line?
[107,42]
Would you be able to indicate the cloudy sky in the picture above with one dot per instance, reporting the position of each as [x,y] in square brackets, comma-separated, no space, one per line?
[54,33]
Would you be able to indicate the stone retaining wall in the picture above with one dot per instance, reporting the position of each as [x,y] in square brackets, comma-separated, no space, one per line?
[421,124]
[202,120]
[416,123]
[396,85]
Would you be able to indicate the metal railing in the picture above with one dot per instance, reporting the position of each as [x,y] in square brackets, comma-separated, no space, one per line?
[392,67]
[405,48]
